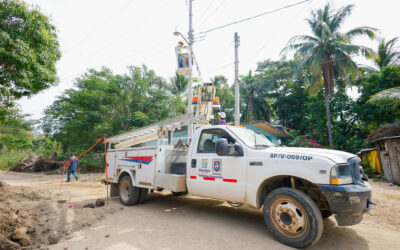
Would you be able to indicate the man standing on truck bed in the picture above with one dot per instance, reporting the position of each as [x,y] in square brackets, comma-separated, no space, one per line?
[72,168]
[221,118]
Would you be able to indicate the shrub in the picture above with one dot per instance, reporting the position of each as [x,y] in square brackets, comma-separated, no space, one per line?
[8,157]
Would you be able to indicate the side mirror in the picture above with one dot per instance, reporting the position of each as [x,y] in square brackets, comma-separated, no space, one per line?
[278,142]
[223,148]
[238,150]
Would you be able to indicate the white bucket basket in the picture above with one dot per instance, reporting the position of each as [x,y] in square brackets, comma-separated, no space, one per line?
[183,60]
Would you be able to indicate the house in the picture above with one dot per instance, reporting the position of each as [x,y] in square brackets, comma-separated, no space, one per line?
[387,143]
[272,132]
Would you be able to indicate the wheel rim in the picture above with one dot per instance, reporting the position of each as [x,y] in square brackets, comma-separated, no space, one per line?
[289,218]
[125,190]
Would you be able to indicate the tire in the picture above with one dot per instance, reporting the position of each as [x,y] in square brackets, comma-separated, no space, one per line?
[292,217]
[326,214]
[142,195]
[128,194]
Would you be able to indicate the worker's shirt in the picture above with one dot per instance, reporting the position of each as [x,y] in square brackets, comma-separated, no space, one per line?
[74,162]
[222,122]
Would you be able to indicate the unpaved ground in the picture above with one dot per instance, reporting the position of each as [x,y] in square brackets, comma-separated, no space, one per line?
[188,222]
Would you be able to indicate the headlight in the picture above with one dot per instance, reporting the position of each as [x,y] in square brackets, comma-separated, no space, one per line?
[341,174]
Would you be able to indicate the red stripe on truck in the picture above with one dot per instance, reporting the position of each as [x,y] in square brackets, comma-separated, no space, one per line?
[193,177]
[230,180]
[208,179]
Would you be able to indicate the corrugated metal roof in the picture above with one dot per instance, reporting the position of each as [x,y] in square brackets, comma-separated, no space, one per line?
[269,128]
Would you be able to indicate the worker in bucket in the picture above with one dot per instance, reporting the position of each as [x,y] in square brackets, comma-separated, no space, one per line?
[221,118]
[72,167]
[180,56]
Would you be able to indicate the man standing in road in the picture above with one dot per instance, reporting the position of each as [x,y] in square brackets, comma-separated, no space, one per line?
[72,168]
[221,118]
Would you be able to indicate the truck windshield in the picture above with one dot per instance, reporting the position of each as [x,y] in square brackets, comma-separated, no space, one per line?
[251,138]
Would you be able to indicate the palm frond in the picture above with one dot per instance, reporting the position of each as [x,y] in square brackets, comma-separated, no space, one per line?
[303,63]
[297,42]
[315,66]
[340,16]
[324,30]
[364,30]
[386,53]
[391,95]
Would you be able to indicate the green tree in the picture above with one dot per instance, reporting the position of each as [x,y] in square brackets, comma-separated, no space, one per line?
[254,105]
[392,94]
[375,114]
[386,54]
[328,52]
[29,50]
[104,104]
[178,90]
[226,98]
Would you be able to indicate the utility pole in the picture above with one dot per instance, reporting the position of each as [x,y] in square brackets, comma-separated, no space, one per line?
[190,87]
[237,107]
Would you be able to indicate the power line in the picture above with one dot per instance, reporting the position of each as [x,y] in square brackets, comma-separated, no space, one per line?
[142,51]
[123,34]
[204,12]
[212,13]
[129,2]
[220,67]
[280,30]
[253,17]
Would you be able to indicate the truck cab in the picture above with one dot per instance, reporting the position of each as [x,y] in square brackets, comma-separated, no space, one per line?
[295,187]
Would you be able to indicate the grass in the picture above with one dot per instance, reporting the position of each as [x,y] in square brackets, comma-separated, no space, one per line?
[8,158]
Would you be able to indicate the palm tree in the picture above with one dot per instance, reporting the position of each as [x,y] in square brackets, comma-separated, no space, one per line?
[392,94]
[328,52]
[386,54]
[256,106]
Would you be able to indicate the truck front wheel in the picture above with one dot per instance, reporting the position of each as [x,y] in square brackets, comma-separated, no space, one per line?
[128,194]
[292,217]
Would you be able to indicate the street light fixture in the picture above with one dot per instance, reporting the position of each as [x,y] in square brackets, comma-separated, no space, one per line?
[177,33]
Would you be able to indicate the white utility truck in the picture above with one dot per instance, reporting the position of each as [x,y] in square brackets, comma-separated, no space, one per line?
[296,187]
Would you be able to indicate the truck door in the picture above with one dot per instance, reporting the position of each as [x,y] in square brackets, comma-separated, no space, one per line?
[210,175]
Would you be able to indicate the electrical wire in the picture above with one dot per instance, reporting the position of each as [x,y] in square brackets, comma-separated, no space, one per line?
[129,2]
[123,34]
[220,67]
[253,17]
[204,12]
[280,30]
[142,51]
[212,13]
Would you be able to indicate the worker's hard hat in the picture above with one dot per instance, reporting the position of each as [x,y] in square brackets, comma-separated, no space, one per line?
[222,115]
[181,43]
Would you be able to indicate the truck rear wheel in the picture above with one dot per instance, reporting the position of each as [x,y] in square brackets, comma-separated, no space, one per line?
[128,194]
[292,217]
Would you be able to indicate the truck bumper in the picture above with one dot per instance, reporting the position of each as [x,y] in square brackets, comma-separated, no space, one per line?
[348,202]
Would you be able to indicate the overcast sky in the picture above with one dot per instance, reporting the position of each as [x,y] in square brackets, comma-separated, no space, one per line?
[118,33]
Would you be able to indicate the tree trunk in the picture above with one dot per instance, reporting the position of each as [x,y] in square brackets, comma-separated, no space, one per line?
[328,73]
[328,120]
[251,114]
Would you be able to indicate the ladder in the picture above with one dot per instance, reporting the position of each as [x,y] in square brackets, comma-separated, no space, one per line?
[155,130]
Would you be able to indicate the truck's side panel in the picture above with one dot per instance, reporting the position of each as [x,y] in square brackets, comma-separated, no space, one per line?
[111,169]
[145,168]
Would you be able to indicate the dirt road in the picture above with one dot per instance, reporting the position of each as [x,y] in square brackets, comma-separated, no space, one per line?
[189,222]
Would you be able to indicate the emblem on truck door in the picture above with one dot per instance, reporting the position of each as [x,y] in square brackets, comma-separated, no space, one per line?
[138,159]
[217,166]
[204,163]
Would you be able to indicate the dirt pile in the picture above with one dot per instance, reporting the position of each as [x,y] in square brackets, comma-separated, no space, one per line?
[29,219]
[35,163]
